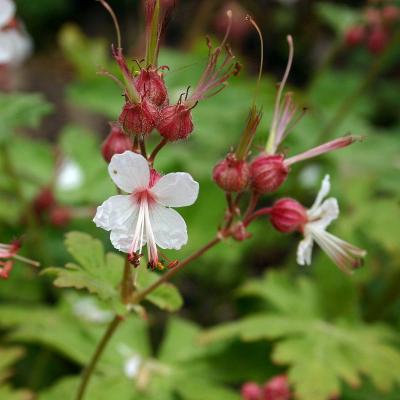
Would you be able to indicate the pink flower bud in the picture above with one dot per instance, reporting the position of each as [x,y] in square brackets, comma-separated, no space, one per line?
[43,201]
[5,269]
[268,172]
[391,13]
[138,118]
[60,216]
[231,175]
[251,391]
[115,143]
[377,40]
[277,389]
[355,35]
[288,215]
[175,122]
[151,86]
[239,232]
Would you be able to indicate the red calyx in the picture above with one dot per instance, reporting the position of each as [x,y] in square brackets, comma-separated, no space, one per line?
[251,391]
[138,118]
[277,389]
[239,232]
[115,143]
[175,122]
[355,35]
[377,40]
[151,86]
[288,215]
[267,173]
[231,175]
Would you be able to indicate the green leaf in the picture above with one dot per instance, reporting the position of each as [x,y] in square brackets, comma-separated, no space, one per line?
[7,358]
[166,297]
[338,16]
[320,352]
[21,110]
[8,393]
[96,272]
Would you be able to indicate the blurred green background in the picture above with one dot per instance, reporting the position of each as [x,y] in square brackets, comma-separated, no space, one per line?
[332,334]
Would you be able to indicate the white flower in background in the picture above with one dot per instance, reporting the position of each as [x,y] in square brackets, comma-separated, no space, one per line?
[346,256]
[70,176]
[7,12]
[143,216]
[87,309]
[15,43]
[132,366]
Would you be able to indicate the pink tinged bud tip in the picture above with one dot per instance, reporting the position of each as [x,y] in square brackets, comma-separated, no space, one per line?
[175,122]
[115,143]
[277,389]
[268,173]
[150,85]
[232,175]
[355,35]
[251,391]
[288,215]
[138,118]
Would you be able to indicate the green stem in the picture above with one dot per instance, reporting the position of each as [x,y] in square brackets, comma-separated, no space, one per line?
[88,372]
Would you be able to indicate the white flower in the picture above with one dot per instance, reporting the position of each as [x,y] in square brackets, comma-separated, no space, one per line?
[143,216]
[7,11]
[87,309]
[132,366]
[69,176]
[320,215]
[15,46]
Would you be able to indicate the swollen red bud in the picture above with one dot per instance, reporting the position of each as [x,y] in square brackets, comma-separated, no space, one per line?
[267,173]
[277,389]
[355,35]
[377,40]
[288,215]
[232,175]
[44,200]
[251,391]
[175,122]
[116,142]
[151,86]
[138,118]
[391,13]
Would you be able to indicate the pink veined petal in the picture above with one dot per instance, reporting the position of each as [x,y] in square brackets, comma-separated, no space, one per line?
[116,212]
[122,239]
[169,228]
[176,190]
[7,11]
[304,251]
[129,171]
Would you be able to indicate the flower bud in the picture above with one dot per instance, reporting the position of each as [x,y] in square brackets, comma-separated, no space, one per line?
[277,389]
[43,201]
[391,13]
[115,143]
[251,391]
[355,35]
[268,172]
[377,40]
[175,122]
[239,232]
[231,175]
[138,118]
[288,215]
[60,216]
[151,86]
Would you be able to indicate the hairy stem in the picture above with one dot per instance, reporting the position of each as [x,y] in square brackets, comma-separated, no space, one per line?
[157,150]
[88,372]
[127,287]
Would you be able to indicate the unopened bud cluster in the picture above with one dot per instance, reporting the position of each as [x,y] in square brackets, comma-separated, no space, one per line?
[376,29]
[276,388]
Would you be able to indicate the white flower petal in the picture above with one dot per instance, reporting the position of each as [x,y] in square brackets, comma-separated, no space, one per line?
[116,213]
[176,190]
[129,171]
[15,47]
[7,11]
[168,226]
[304,251]
[323,192]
